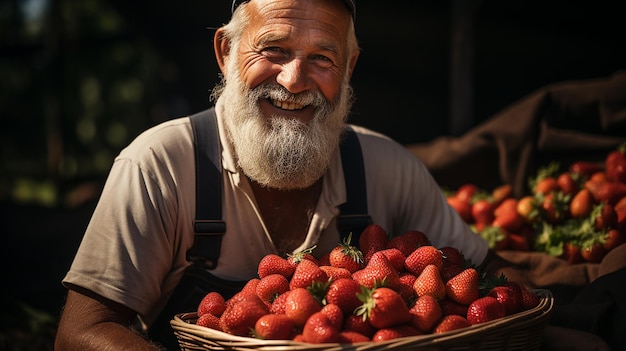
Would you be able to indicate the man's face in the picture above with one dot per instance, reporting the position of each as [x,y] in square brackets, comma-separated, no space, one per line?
[286,93]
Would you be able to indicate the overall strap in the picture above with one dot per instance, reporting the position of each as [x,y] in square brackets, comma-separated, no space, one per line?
[354,215]
[208,224]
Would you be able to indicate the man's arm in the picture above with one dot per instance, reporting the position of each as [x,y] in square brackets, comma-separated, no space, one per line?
[90,322]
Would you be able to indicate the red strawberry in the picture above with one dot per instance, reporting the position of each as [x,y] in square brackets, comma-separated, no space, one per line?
[483,211]
[426,313]
[346,256]
[613,239]
[274,264]
[358,324]
[396,258]
[585,168]
[306,273]
[507,217]
[464,287]
[529,299]
[278,305]
[383,307]
[501,193]
[335,273]
[606,191]
[318,329]
[467,191]
[449,307]
[300,305]
[373,238]
[615,164]
[240,317]
[324,260]
[334,314]
[408,241]
[271,286]
[462,207]
[571,253]
[305,254]
[518,242]
[484,309]
[452,256]
[546,185]
[212,303]
[447,272]
[274,327]
[510,299]
[209,320]
[606,217]
[378,272]
[351,337]
[406,287]
[429,282]
[422,257]
[343,292]
[593,252]
[451,322]
[398,331]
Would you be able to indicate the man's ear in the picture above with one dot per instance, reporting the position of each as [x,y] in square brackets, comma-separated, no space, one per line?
[221,45]
[353,60]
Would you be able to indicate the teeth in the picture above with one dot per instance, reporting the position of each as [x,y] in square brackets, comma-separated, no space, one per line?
[285,105]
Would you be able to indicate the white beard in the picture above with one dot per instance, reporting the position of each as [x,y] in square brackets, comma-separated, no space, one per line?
[280,152]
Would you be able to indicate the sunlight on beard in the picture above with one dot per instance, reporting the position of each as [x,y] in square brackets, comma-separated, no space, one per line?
[282,153]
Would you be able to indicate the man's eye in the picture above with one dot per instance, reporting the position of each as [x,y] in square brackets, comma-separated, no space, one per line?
[322,61]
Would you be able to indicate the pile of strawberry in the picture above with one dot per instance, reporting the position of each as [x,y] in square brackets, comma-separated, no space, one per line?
[577,213]
[391,288]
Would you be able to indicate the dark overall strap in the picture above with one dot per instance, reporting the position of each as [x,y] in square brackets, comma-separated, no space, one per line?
[354,215]
[208,225]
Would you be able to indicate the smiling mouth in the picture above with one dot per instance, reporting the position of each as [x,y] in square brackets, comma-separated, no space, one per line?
[286,105]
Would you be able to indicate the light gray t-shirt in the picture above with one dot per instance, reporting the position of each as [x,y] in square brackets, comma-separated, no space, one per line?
[134,249]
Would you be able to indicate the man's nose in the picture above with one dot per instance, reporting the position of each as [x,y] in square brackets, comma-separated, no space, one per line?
[294,75]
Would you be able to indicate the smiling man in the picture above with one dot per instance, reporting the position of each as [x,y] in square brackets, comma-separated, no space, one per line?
[281,113]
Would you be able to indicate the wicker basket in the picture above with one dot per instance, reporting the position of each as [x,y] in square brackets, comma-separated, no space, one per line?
[521,331]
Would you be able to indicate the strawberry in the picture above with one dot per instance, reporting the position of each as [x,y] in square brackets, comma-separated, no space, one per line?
[508,219]
[396,258]
[593,252]
[451,322]
[373,238]
[613,239]
[571,253]
[306,254]
[274,327]
[422,257]
[452,256]
[501,193]
[335,273]
[606,217]
[399,331]
[406,287]
[324,260]
[209,320]
[212,303]
[529,299]
[466,192]
[518,242]
[464,287]
[334,314]
[449,307]
[546,185]
[351,337]
[278,305]
[484,309]
[554,207]
[581,204]
[408,241]
[274,264]
[426,313]
[378,272]
[615,164]
[271,286]
[567,183]
[527,208]
[319,329]
[306,273]
[240,317]
[300,305]
[462,207]
[585,168]
[483,211]
[510,299]
[429,282]
[447,272]
[606,191]
[358,324]
[383,307]
[346,256]
[343,292]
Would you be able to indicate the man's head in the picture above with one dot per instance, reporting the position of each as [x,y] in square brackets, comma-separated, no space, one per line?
[286,67]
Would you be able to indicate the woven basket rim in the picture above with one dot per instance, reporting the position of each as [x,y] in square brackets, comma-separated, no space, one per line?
[187,331]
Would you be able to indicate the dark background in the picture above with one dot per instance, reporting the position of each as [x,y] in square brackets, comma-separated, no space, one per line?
[80,79]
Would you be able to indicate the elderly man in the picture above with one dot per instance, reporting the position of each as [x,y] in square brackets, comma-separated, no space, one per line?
[281,114]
